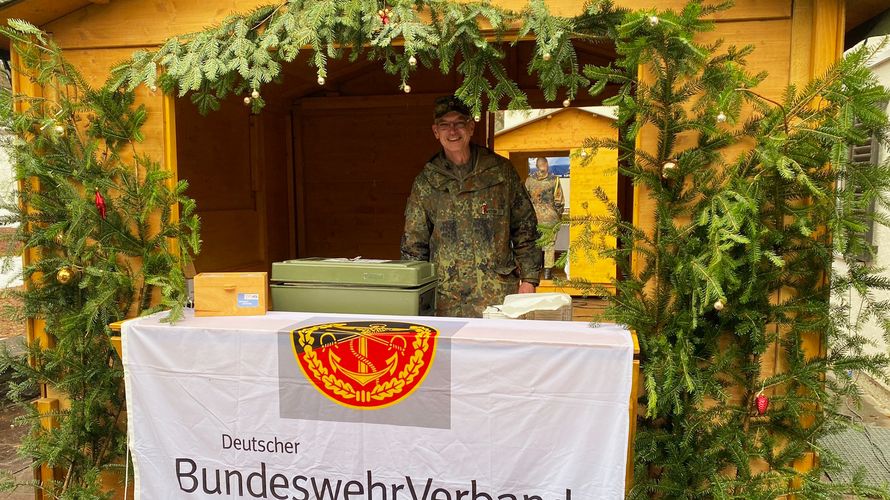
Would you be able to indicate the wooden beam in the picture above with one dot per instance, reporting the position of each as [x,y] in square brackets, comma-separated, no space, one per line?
[860,11]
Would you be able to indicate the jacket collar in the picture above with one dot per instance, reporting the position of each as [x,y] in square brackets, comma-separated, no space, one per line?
[481,176]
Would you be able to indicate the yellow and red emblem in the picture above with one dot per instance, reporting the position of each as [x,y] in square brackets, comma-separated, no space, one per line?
[364,364]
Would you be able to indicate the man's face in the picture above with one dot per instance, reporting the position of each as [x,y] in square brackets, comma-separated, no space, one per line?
[543,166]
[454,131]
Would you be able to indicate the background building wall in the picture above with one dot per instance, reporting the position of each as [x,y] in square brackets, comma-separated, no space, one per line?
[11,262]
[880,66]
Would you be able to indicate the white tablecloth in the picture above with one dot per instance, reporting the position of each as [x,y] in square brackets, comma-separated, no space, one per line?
[218,407]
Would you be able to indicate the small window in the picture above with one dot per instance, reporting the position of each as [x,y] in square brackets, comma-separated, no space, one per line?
[867,152]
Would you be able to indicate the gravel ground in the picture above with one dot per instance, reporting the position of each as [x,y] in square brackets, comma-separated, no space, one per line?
[9,327]
[12,331]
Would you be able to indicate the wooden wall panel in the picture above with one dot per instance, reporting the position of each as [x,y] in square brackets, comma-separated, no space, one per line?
[356,162]
[135,23]
[151,22]
[95,65]
[772,40]
[276,167]
[741,10]
[219,155]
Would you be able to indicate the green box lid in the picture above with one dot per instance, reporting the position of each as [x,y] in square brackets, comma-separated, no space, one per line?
[365,272]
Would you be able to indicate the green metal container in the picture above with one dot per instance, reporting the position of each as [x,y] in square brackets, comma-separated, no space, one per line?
[356,286]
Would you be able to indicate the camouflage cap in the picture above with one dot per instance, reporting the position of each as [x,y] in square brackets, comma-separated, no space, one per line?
[449,103]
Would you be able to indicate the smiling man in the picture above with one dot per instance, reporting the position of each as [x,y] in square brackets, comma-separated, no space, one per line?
[470,215]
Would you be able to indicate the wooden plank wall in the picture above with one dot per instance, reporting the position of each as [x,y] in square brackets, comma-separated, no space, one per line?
[216,155]
[356,161]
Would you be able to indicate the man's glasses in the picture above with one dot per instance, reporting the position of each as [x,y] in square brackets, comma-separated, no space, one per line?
[443,126]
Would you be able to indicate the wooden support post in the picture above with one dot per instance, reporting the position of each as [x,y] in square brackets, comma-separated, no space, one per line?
[48,408]
[632,414]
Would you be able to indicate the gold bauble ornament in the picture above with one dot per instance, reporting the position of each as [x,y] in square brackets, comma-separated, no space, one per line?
[407,89]
[255,94]
[60,239]
[64,275]
[58,129]
[412,61]
[321,80]
[247,100]
[718,306]
[566,103]
[546,56]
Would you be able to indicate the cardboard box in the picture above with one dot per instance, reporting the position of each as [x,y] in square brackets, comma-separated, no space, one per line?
[231,294]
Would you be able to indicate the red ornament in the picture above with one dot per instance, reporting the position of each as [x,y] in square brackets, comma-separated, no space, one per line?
[384,15]
[100,203]
[762,403]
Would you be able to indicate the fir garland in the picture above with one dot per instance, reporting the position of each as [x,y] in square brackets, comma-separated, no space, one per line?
[247,51]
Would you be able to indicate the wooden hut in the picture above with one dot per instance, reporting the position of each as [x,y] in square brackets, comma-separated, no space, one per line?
[325,170]
[561,133]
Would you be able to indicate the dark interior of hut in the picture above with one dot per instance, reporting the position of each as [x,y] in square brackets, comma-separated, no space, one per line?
[325,170]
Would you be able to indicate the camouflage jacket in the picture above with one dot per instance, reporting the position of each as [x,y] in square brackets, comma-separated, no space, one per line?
[546,196]
[480,232]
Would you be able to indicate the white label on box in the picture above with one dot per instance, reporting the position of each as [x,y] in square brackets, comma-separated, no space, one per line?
[357,259]
[248,300]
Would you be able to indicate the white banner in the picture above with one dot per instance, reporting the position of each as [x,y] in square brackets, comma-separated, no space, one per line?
[346,407]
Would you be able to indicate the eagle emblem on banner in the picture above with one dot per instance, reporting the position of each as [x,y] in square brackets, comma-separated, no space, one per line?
[363,364]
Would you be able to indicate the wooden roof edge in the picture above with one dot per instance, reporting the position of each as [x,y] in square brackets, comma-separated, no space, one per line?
[550,114]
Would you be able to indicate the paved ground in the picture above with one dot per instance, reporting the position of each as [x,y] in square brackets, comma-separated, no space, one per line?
[10,461]
[11,334]
[868,446]
[10,436]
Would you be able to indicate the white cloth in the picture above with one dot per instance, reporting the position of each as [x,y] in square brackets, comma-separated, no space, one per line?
[529,408]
